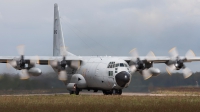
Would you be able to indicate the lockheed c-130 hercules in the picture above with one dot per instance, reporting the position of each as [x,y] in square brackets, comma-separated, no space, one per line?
[106,73]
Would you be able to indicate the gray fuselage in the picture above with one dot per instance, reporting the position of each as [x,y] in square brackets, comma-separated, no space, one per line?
[100,73]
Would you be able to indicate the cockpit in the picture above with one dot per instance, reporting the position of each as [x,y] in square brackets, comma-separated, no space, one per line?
[120,72]
[113,65]
[118,67]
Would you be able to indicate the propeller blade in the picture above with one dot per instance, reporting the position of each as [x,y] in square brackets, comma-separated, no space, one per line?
[54,63]
[63,51]
[75,64]
[133,68]
[187,73]
[189,54]
[150,55]
[8,65]
[173,52]
[170,69]
[146,74]
[35,60]
[13,63]
[134,53]
[20,49]
[24,74]
[62,75]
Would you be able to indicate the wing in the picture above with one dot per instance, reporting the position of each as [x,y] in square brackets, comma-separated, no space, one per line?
[42,60]
[160,59]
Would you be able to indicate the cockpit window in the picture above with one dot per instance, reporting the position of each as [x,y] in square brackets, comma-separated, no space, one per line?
[125,64]
[121,65]
[111,65]
[116,65]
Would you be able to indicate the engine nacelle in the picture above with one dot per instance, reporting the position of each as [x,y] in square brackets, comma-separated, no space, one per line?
[79,80]
[178,64]
[16,63]
[154,71]
[34,71]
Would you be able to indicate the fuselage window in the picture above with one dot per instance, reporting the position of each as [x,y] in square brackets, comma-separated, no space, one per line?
[110,73]
[121,65]
[113,66]
[115,70]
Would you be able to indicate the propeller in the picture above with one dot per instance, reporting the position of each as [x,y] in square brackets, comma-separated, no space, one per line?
[177,63]
[61,64]
[136,64]
[21,62]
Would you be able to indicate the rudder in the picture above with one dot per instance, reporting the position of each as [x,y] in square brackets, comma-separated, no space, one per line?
[58,40]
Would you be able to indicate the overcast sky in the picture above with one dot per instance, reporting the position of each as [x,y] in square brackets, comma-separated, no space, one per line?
[102,27]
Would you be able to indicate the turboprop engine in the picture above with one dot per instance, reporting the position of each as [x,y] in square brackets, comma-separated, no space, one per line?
[27,67]
[176,62]
[61,64]
[144,67]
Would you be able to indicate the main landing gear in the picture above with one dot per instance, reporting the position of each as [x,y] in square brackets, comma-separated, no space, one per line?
[76,92]
[112,92]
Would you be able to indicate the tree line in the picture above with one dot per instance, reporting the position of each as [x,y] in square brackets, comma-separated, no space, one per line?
[138,84]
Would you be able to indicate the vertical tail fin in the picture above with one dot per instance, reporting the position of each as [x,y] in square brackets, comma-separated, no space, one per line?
[58,40]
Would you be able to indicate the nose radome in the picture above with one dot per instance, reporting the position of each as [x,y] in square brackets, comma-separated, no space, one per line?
[122,78]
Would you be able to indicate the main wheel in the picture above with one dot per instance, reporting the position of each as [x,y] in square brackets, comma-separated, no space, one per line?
[71,92]
[77,91]
[107,92]
[118,92]
[110,92]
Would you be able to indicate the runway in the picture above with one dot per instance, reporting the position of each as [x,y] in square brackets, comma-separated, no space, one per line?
[91,93]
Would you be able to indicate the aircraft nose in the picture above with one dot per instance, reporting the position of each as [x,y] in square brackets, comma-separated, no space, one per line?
[122,78]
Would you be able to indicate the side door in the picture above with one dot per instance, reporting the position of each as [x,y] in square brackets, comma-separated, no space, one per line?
[111,75]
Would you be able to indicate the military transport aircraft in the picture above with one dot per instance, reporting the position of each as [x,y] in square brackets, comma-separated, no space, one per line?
[106,73]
